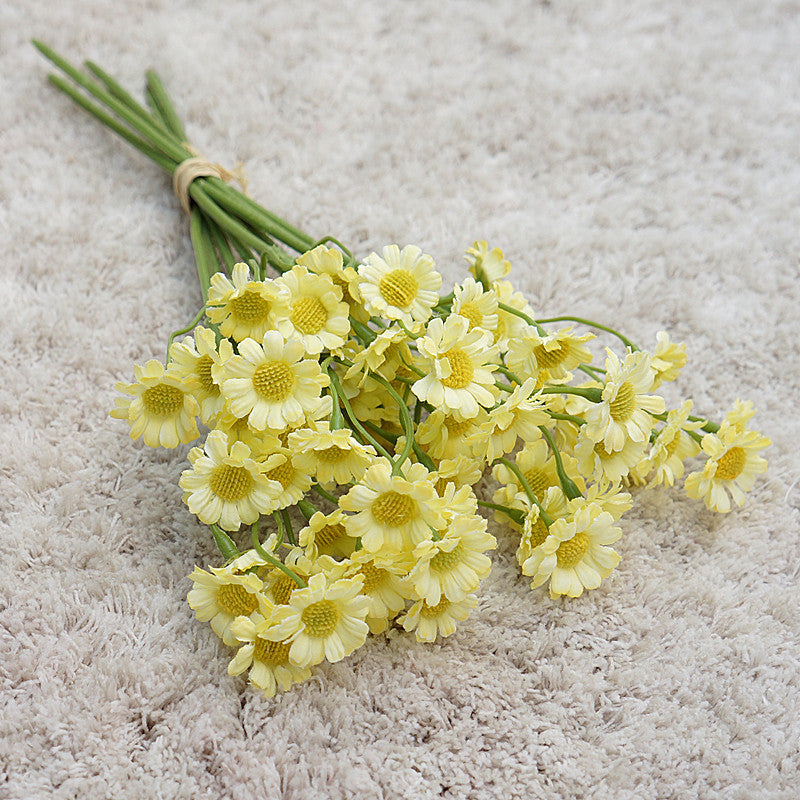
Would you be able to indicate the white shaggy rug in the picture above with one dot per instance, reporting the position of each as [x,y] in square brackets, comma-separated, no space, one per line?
[638,162]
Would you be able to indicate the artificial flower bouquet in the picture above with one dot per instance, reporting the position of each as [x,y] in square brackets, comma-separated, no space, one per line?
[349,407]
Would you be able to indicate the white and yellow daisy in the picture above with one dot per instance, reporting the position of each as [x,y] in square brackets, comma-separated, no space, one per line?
[332,457]
[402,284]
[454,564]
[225,485]
[242,308]
[519,415]
[554,354]
[576,554]
[479,306]
[456,362]
[159,407]
[194,359]
[228,592]
[487,266]
[287,483]
[392,512]
[326,534]
[313,311]
[268,661]
[384,585]
[672,446]
[427,621]
[599,464]
[323,621]
[534,530]
[445,436]
[626,407]
[328,261]
[669,358]
[384,355]
[731,469]
[272,383]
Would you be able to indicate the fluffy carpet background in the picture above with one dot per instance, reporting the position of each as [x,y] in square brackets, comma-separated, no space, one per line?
[638,162]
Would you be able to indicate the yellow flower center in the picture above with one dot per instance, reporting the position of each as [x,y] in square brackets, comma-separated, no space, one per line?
[672,445]
[163,400]
[373,577]
[601,451]
[434,611]
[443,561]
[538,532]
[249,307]
[538,481]
[457,427]
[272,653]
[569,553]
[203,369]
[282,589]
[309,315]
[547,359]
[398,288]
[332,455]
[320,618]
[394,509]
[472,313]
[730,464]
[461,369]
[236,600]
[231,483]
[623,405]
[282,473]
[273,381]
[329,535]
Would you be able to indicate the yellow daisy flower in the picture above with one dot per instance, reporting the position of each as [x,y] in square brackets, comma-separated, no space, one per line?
[487,266]
[159,408]
[225,593]
[509,326]
[225,485]
[551,356]
[731,469]
[625,410]
[672,446]
[456,362]
[267,660]
[272,383]
[287,482]
[323,621]
[333,457]
[445,436]
[519,415]
[453,565]
[427,621]
[328,261]
[576,553]
[384,585]
[534,531]
[669,358]
[600,464]
[470,300]
[741,413]
[326,534]
[313,312]
[402,284]
[392,512]
[384,355]
[240,307]
[195,359]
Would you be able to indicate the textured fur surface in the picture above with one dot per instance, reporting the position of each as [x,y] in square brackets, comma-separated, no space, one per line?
[638,162]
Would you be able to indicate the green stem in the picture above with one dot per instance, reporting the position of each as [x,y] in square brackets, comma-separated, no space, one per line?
[222,246]
[205,256]
[523,481]
[287,524]
[268,557]
[390,437]
[306,508]
[191,326]
[514,513]
[522,315]
[405,419]
[315,487]
[567,484]
[566,417]
[223,219]
[595,395]
[593,324]
[163,105]
[509,374]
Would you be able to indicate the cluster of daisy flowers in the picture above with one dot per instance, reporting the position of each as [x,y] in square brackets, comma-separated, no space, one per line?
[351,408]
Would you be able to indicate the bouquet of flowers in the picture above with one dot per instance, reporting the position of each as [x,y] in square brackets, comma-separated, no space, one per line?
[349,407]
